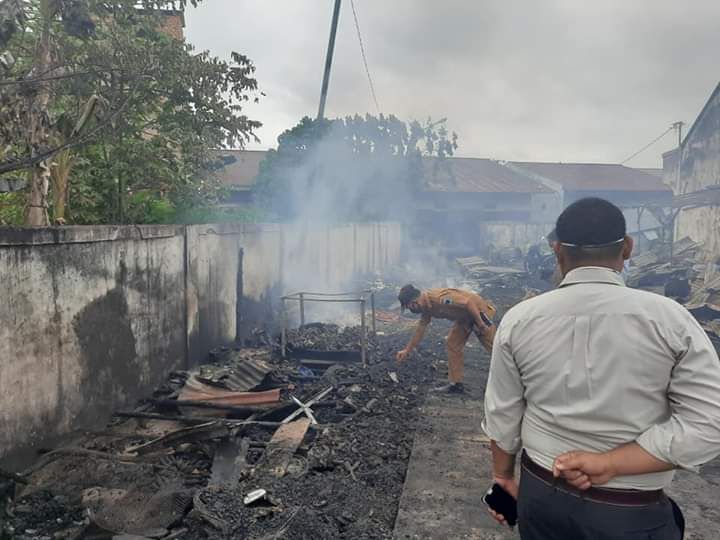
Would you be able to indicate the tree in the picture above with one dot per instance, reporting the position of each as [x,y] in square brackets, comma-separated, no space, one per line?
[356,168]
[98,103]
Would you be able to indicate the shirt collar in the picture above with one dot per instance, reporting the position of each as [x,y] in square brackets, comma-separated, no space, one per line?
[592,274]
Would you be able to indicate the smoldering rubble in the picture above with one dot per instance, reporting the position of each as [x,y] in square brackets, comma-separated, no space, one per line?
[252,444]
[249,445]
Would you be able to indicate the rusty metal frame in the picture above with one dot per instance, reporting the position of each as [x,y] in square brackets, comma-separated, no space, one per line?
[360,297]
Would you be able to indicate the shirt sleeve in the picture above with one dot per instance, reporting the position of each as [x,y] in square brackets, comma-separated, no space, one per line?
[504,396]
[691,436]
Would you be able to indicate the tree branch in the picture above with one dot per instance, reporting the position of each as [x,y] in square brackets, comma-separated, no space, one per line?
[16,165]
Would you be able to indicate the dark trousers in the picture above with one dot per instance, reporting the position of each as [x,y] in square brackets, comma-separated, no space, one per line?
[548,513]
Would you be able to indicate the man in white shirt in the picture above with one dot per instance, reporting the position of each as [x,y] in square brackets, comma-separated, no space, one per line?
[605,389]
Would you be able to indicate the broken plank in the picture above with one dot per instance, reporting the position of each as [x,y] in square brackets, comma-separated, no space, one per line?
[209,430]
[194,419]
[208,405]
[283,444]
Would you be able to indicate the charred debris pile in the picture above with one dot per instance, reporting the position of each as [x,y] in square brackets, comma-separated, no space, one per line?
[685,273]
[249,445]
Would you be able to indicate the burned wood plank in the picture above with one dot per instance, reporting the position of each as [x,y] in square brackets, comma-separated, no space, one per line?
[195,420]
[209,430]
[283,444]
[247,411]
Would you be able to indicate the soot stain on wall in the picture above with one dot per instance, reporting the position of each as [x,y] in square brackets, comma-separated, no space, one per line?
[109,354]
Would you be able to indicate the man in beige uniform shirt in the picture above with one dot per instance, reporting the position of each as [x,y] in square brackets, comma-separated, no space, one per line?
[605,389]
[465,308]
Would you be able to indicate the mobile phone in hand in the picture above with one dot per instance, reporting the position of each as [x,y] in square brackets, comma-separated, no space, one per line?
[501,502]
[485,319]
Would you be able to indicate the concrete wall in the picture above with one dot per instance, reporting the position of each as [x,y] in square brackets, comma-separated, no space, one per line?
[95,317]
[277,259]
[521,235]
[699,169]
[92,318]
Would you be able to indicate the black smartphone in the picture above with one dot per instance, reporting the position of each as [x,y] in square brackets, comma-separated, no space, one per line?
[502,502]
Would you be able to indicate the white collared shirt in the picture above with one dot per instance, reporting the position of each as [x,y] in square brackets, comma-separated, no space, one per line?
[594,365]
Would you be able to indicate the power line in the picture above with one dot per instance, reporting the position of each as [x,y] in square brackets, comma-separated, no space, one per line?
[668,130]
[364,58]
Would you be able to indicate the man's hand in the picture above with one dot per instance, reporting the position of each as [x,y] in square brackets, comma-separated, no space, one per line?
[584,469]
[401,356]
[511,486]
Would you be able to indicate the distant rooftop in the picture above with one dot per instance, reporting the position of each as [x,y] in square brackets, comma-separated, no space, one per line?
[595,176]
[476,175]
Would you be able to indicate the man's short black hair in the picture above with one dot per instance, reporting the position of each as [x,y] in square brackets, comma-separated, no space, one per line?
[407,294]
[590,222]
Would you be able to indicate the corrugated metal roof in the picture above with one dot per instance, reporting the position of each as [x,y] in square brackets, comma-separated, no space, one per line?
[236,370]
[475,175]
[596,176]
[242,172]
[196,390]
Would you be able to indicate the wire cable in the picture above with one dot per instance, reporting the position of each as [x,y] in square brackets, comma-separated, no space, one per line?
[364,58]
[668,130]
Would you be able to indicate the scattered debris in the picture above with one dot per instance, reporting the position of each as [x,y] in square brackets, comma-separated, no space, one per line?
[254,496]
[172,469]
[324,337]
[305,407]
[681,272]
[197,391]
[229,462]
[285,441]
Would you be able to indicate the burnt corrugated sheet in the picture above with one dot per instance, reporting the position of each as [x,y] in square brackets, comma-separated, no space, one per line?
[238,371]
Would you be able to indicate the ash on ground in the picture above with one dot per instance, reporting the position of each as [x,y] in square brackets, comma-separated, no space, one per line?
[164,471]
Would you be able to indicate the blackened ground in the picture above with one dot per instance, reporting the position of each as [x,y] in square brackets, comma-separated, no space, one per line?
[345,481]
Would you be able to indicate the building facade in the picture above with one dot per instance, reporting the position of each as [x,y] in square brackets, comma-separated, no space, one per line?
[694,172]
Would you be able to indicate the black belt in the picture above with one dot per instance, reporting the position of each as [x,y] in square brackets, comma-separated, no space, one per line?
[619,497]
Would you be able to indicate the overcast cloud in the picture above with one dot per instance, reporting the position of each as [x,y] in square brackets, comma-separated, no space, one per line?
[546,80]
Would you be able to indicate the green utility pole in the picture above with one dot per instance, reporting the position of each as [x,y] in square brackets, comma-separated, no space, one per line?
[328,59]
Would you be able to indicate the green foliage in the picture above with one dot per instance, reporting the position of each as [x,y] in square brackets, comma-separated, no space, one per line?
[11,208]
[354,168]
[215,214]
[142,112]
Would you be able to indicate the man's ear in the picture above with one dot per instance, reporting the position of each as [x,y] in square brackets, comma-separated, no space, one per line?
[560,256]
[628,245]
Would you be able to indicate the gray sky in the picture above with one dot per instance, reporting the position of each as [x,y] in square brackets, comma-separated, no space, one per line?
[546,80]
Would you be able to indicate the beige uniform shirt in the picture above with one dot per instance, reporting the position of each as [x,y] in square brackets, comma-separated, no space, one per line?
[594,365]
[452,304]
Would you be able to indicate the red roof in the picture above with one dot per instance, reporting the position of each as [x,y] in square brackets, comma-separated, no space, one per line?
[475,175]
[595,176]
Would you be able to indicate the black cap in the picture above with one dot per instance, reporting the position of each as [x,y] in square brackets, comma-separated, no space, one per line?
[407,294]
[591,222]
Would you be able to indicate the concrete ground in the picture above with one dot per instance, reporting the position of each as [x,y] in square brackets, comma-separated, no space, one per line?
[450,469]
